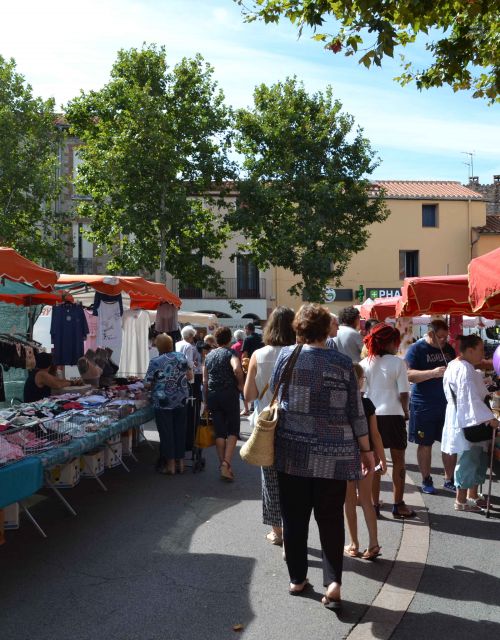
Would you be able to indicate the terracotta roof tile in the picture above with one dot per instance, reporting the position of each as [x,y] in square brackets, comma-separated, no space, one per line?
[426,190]
[492,225]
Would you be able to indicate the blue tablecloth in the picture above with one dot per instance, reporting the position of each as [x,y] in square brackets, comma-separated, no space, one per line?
[22,479]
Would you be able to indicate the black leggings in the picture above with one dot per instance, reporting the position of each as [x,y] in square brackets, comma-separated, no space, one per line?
[299,496]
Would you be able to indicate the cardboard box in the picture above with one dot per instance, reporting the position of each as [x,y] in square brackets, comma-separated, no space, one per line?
[66,476]
[115,439]
[93,461]
[113,455]
[11,515]
[127,442]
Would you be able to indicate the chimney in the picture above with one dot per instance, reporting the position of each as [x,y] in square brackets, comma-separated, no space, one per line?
[474,179]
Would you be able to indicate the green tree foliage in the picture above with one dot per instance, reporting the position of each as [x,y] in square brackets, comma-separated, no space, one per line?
[463,36]
[154,140]
[29,166]
[304,203]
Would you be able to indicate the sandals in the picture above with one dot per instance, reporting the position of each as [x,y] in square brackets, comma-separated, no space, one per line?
[334,604]
[297,589]
[401,511]
[351,550]
[274,538]
[226,472]
[469,506]
[371,553]
[245,413]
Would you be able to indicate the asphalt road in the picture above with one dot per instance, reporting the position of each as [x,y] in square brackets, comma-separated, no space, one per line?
[160,557]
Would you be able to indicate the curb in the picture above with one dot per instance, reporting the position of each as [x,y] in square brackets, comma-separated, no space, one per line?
[392,601]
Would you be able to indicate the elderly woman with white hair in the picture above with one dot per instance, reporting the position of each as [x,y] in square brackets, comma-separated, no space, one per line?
[168,375]
[239,337]
[187,346]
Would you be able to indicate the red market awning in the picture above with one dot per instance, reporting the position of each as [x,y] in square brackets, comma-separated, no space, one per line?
[484,283]
[380,309]
[434,295]
[15,267]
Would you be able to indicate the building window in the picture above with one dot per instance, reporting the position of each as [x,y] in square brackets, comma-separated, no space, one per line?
[429,215]
[408,264]
[83,249]
[247,278]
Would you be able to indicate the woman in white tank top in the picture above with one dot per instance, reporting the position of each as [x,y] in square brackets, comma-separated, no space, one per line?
[278,333]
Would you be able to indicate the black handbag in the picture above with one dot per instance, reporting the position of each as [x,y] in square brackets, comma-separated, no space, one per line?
[478,432]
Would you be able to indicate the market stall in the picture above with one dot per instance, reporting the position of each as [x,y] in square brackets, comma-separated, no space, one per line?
[484,283]
[379,309]
[52,441]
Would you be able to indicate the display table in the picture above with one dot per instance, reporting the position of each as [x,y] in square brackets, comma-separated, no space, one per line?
[23,478]
[20,480]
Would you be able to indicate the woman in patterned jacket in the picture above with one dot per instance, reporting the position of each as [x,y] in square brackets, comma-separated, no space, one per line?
[321,443]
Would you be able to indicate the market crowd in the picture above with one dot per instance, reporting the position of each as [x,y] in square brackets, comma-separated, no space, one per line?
[345,398]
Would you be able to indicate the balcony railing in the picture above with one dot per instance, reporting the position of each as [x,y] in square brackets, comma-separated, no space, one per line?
[233,290]
[85,265]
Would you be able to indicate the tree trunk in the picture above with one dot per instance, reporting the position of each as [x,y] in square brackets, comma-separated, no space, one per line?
[163,258]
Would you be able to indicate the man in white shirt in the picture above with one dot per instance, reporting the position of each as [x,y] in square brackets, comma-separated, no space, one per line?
[349,340]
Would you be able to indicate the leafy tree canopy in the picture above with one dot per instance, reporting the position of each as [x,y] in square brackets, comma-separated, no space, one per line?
[304,202]
[29,165]
[463,35]
[154,142]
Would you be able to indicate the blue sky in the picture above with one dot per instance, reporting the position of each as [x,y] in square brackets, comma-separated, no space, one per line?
[63,47]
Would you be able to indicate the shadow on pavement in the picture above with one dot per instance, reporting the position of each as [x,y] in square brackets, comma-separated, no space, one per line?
[123,568]
[439,626]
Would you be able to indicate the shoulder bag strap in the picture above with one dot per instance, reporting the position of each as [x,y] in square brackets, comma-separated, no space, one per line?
[287,373]
[263,392]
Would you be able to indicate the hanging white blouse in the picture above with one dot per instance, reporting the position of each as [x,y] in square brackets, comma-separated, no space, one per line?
[134,359]
[469,408]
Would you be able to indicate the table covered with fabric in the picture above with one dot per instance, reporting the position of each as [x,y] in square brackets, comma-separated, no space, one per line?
[22,479]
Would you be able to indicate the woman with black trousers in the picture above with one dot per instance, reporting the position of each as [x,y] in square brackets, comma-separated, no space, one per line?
[223,380]
[321,442]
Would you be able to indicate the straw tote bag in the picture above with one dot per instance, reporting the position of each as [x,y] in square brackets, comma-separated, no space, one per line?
[259,448]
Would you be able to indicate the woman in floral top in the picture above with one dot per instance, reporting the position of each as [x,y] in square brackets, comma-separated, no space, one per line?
[168,374]
[321,442]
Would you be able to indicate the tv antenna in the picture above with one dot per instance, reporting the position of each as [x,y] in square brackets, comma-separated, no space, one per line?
[470,163]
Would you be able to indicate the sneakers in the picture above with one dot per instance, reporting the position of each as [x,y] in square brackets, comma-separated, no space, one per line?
[449,486]
[428,486]
[469,506]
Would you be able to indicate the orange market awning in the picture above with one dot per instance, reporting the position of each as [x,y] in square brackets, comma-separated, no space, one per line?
[484,283]
[138,288]
[47,298]
[380,309]
[15,267]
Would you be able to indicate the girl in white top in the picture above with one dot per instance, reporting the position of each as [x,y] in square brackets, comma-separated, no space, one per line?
[465,392]
[278,333]
[388,388]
